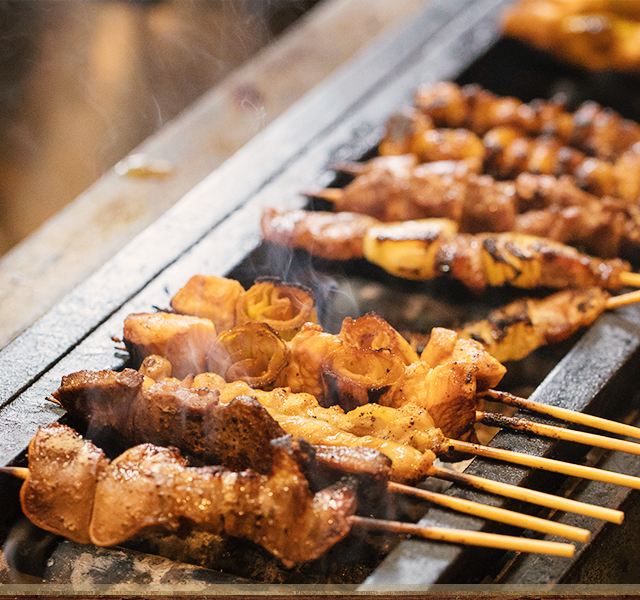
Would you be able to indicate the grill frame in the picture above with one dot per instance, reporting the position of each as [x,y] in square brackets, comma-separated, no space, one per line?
[198,235]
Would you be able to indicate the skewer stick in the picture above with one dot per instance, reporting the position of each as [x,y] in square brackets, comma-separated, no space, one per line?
[564,413]
[526,495]
[559,433]
[330,194]
[473,538]
[546,464]
[494,513]
[622,300]
[630,278]
[350,167]
[20,472]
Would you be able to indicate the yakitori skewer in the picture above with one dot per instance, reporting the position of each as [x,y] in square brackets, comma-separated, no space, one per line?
[546,464]
[513,331]
[364,328]
[594,143]
[527,495]
[191,495]
[456,536]
[559,433]
[591,128]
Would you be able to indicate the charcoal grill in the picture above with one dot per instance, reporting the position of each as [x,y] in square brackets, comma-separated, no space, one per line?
[215,229]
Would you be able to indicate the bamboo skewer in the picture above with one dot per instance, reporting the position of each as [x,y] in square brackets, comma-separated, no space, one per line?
[630,279]
[527,495]
[564,413]
[623,299]
[560,433]
[494,513]
[20,472]
[473,538]
[546,464]
[330,194]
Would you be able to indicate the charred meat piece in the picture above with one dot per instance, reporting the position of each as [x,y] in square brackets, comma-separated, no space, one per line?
[63,475]
[283,307]
[209,297]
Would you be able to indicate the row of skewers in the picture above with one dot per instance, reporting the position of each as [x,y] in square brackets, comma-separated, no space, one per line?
[215,419]
[238,378]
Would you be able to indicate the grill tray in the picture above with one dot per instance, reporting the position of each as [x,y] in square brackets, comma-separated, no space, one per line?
[214,229]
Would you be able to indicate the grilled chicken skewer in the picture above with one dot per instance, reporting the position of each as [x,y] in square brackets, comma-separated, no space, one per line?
[429,248]
[397,188]
[563,413]
[149,487]
[72,489]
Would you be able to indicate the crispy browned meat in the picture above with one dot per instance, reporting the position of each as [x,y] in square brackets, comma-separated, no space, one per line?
[150,487]
[592,34]
[327,237]
[372,331]
[538,137]
[430,248]
[223,423]
[209,297]
[411,132]
[397,188]
[592,129]
[236,434]
[282,306]
[508,152]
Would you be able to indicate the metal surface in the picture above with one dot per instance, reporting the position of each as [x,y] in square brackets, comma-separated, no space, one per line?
[215,229]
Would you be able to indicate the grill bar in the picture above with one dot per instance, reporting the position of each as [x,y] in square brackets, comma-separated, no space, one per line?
[215,229]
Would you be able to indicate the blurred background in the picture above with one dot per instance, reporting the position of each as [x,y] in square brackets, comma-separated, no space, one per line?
[83,83]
